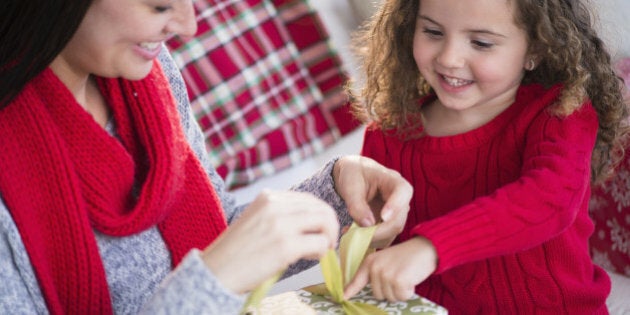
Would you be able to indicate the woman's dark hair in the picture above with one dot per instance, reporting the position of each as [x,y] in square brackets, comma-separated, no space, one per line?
[32,33]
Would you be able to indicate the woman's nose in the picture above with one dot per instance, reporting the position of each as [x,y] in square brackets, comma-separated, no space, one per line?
[184,22]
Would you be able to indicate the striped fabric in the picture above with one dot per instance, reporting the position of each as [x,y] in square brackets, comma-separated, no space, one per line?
[264,84]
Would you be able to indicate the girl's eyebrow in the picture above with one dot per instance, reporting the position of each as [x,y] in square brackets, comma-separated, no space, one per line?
[475,31]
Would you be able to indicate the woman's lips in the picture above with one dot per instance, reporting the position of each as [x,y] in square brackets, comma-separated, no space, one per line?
[149,50]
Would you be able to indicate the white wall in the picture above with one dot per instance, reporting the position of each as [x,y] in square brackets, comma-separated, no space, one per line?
[614,24]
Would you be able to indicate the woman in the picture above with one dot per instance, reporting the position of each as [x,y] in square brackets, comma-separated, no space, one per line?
[109,204]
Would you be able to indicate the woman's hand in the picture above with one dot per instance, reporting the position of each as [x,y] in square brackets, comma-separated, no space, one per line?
[275,230]
[394,272]
[373,193]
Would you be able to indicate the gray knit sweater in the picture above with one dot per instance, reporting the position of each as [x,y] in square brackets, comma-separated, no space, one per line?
[138,267]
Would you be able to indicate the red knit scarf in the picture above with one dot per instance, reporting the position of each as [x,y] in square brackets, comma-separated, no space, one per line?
[62,175]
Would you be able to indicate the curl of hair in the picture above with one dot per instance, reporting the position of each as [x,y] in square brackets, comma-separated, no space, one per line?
[37,31]
[562,40]
[385,47]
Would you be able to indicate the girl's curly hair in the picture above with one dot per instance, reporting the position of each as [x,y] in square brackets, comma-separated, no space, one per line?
[562,39]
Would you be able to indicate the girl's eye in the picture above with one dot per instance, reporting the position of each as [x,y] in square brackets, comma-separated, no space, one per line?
[482,44]
[432,33]
[162,8]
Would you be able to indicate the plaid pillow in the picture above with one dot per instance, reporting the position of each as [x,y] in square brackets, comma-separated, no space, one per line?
[264,85]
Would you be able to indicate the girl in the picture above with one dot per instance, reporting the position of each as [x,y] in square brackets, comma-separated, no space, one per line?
[500,113]
[103,190]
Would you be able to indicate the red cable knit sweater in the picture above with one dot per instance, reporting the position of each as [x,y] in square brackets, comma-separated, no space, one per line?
[505,206]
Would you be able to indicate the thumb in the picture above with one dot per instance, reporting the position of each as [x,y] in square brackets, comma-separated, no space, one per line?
[396,200]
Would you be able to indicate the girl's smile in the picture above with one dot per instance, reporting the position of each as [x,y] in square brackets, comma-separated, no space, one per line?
[454,84]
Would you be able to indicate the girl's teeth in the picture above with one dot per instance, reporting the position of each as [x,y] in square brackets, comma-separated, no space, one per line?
[455,82]
[149,46]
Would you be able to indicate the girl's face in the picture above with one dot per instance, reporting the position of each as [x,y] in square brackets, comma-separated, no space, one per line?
[471,53]
[121,38]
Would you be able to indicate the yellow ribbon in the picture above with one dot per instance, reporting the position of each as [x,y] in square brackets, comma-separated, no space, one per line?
[258,294]
[337,272]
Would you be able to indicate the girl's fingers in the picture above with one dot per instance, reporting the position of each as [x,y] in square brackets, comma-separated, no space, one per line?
[403,294]
[377,285]
[361,278]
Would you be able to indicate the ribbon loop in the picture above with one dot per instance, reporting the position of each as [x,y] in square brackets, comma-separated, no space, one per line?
[337,271]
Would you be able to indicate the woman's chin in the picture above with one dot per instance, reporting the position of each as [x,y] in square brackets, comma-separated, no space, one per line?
[137,74]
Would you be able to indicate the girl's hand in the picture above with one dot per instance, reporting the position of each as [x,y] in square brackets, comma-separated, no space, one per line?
[275,230]
[394,272]
[373,193]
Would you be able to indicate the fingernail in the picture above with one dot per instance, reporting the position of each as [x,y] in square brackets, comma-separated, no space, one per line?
[367,222]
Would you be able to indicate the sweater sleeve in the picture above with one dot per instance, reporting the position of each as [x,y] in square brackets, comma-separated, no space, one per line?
[544,202]
[19,292]
[192,289]
[321,184]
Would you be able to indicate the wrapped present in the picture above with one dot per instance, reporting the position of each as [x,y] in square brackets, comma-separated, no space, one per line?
[323,305]
[327,298]
[288,303]
[306,303]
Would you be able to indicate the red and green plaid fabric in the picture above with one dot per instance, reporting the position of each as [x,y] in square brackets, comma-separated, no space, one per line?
[264,84]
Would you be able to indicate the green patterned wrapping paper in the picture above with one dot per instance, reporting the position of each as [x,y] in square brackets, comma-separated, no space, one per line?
[418,305]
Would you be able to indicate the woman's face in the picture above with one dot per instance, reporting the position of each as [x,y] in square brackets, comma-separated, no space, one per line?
[121,38]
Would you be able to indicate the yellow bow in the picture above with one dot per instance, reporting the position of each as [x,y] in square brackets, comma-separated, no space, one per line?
[353,247]
[337,272]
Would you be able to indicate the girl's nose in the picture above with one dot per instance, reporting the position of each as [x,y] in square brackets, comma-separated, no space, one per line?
[184,22]
[451,55]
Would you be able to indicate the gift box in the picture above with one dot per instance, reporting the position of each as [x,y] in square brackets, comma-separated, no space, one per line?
[306,303]
[327,298]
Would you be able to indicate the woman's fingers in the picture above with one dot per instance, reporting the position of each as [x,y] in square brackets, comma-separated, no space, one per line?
[276,229]
[373,193]
[313,246]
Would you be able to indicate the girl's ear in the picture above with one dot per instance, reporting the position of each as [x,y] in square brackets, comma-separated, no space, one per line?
[530,64]
[532,58]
